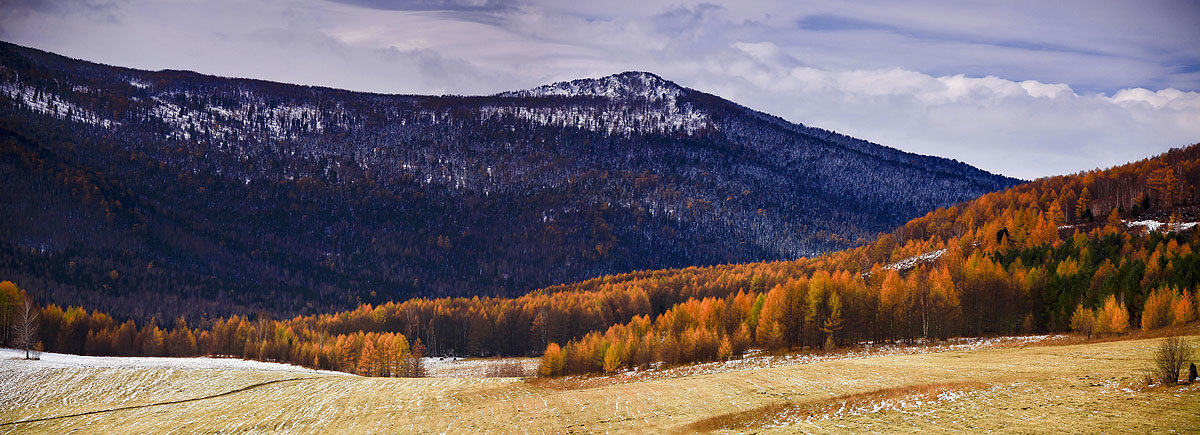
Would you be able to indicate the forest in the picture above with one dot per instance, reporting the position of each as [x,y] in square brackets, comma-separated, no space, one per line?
[158,194]
[1098,252]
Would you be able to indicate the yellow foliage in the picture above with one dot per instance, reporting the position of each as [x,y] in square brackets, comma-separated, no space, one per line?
[612,359]
[1184,309]
[552,360]
[1113,318]
[1158,309]
[1083,321]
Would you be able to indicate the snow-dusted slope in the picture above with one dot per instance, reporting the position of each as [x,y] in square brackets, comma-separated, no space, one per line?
[1156,226]
[295,199]
[14,359]
[631,84]
[633,102]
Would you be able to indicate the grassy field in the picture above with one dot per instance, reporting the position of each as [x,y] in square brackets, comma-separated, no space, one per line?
[1093,387]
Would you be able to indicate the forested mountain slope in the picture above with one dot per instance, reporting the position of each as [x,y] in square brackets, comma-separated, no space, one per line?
[1098,252]
[165,193]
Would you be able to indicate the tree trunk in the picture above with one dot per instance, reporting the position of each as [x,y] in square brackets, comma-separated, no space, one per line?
[26,326]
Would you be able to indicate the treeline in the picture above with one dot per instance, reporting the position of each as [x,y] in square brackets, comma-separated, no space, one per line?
[523,326]
[79,331]
[451,326]
[959,295]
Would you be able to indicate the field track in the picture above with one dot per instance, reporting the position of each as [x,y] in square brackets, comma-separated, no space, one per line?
[173,402]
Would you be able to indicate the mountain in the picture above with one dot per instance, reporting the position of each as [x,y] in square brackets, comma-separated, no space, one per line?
[171,192]
[1037,257]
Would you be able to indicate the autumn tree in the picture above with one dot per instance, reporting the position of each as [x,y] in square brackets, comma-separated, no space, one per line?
[770,330]
[1183,310]
[1158,309]
[368,359]
[416,367]
[1083,321]
[1114,223]
[1083,206]
[612,358]
[1164,184]
[10,302]
[1113,318]
[833,323]
[893,298]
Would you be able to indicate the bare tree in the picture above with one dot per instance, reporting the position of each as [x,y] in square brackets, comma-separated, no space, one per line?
[1172,354]
[414,367]
[25,330]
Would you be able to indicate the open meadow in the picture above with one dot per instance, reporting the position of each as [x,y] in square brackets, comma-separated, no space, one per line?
[1039,387]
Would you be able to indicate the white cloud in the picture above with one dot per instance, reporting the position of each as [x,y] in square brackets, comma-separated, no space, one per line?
[1026,129]
[1170,98]
[1047,90]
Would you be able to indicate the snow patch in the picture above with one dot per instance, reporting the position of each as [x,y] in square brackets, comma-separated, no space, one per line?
[662,112]
[616,119]
[626,85]
[279,122]
[52,104]
[15,359]
[757,359]
[1162,227]
[911,262]
[902,403]
[449,367]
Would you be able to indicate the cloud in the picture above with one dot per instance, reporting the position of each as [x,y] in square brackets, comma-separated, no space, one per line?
[1026,129]
[1170,98]
[434,5]
[1025,88]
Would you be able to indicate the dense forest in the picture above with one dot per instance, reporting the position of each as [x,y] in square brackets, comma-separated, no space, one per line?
[1097,252]
[159,194]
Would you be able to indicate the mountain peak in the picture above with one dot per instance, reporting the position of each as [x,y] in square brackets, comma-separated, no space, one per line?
[629,84]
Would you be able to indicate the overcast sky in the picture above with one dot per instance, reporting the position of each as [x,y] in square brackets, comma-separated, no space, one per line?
[1026,89]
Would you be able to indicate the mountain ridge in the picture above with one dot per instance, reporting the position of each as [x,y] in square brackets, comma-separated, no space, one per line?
[253,195]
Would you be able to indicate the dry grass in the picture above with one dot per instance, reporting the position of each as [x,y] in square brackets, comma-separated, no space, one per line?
[1079,388]
[783,359]
[894,398]
[507,368]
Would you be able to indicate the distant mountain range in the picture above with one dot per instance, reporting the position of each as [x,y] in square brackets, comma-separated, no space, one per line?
[165,193]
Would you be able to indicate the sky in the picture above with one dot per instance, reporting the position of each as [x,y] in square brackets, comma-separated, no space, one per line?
[1022,88]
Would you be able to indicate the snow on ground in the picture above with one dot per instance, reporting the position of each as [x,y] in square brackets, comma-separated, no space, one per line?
[435,367]
[51,104]
[1161,226]
[61,383]
[902,403]
[911,262]
[755,359]
[15,359]
[450,367]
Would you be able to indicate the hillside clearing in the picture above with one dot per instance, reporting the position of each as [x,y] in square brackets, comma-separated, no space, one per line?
[1078,388]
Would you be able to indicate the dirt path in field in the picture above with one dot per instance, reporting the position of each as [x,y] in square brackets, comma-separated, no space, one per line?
[172,402]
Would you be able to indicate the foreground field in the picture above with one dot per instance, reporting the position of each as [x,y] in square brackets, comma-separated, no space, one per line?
[1046,388]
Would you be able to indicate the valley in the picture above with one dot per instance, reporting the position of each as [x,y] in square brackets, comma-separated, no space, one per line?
[1051,387]
[191,253]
